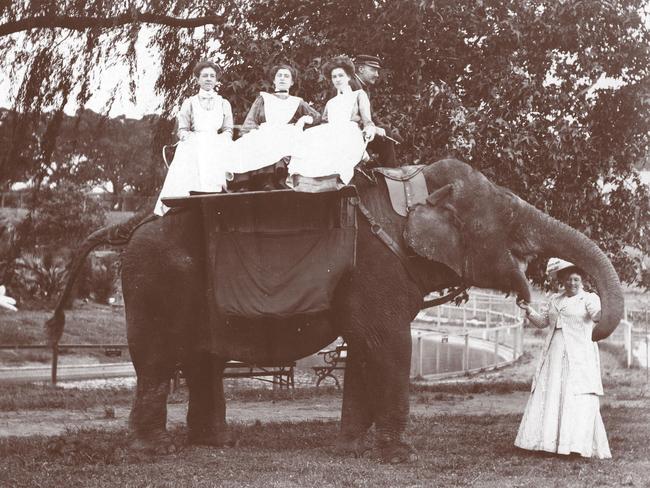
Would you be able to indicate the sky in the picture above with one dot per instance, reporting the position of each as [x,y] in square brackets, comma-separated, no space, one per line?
[114,77]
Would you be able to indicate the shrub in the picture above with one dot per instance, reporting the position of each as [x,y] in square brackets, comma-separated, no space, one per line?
[102,282]
[64,217]
[39,276]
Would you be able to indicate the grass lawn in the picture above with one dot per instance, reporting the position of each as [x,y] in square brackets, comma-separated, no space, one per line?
[454,450]
[86,323]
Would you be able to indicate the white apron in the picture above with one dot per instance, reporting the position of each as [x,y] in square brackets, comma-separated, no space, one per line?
[198,162]
[334,148]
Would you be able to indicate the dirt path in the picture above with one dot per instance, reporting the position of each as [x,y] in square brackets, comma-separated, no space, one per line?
[54,422]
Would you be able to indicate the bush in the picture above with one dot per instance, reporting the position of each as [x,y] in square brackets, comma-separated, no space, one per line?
[102,282]
[64,217]
[39,276]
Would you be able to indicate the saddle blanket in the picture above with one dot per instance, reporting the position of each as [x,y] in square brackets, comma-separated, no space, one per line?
[277,254]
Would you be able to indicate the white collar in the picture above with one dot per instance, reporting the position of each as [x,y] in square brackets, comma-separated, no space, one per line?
[207,94]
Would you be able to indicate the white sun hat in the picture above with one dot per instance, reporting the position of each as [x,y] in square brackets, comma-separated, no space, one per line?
[555,265]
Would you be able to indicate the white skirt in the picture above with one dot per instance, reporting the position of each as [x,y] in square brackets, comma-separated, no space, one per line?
[328,149]
[262,147]
[556,420]
[197,166]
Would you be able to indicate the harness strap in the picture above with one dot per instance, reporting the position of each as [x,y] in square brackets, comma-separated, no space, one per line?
[396,249]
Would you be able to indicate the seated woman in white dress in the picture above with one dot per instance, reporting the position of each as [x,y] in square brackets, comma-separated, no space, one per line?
[336,147]
[205,126]
[273,124]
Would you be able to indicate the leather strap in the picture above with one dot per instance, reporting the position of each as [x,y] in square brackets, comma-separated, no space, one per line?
[384,237]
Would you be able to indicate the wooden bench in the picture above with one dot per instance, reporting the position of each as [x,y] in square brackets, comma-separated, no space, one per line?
[334,360]
[280,375]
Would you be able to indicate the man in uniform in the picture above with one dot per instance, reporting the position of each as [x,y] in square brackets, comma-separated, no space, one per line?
[367,74]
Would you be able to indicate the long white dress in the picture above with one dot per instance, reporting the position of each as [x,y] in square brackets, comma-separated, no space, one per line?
[563,412]
[334,148]
[198,164]
[271,141]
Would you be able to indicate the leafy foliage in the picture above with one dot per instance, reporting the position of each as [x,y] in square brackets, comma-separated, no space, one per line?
[65,216]
[513,87]
[40,276]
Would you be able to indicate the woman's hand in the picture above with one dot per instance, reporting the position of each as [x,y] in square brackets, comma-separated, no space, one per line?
[305,119]
[369,133]
[185,135]
[6,301]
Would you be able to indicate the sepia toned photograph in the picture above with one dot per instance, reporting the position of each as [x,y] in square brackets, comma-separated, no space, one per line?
[324,243]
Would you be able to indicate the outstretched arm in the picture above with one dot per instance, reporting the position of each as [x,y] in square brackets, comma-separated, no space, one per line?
[539,320]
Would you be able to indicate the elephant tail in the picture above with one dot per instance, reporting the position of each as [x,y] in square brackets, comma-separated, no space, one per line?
[112,235]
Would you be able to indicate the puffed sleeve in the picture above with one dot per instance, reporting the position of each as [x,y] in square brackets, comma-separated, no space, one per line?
[184,120]
[592,304]
[228,123]
[255,116]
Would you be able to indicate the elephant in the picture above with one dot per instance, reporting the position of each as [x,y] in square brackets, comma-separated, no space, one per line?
[468,232]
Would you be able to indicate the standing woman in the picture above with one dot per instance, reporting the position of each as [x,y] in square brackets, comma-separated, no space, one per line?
[563,411]
[205,131]
[272,126]
[336,147]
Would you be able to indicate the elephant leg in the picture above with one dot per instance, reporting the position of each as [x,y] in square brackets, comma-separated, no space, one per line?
[390,366]
[206,414]
[358,412]
[154,362]
[148,418]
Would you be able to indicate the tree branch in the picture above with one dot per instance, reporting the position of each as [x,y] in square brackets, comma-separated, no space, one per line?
[83,23]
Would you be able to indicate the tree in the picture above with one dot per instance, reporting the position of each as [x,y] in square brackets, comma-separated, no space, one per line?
[510,86]
[97,150]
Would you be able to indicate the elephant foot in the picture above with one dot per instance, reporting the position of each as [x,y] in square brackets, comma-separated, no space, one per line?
[398,453]
[356,446]
[153,444]
[212,438]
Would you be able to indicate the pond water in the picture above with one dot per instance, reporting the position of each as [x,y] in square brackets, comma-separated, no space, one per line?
[442,354]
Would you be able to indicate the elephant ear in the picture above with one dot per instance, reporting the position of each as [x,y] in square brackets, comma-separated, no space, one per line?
[434,230]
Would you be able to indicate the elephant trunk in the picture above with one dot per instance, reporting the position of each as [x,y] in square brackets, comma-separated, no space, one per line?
[558,239]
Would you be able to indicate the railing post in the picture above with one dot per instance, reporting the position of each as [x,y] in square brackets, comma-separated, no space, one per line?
[420,354]
[496,347]
[627,339]
[55,361]
[466,353]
